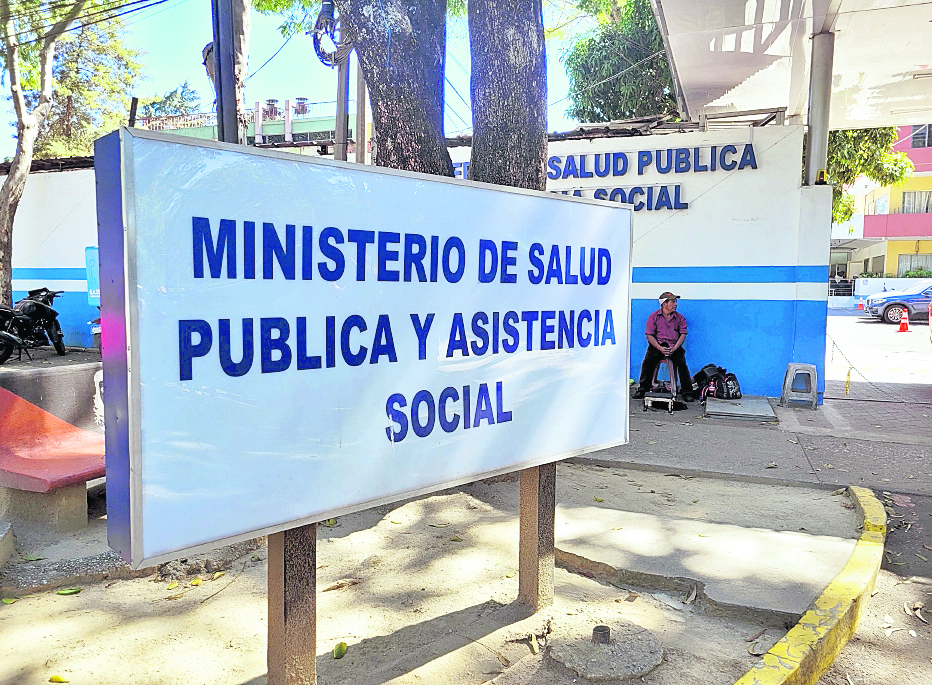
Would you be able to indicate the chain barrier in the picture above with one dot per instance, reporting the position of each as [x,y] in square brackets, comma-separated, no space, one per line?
[852,367]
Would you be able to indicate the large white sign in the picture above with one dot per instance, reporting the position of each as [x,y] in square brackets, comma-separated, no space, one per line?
[287,340]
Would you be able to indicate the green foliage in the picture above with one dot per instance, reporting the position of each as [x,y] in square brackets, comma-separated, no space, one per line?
[299,16]
[842,205]
[918,273]
[182,100]
[619,70]
[94,74]
[866,151]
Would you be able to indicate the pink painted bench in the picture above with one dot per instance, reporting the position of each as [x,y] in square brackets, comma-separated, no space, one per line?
[45,463]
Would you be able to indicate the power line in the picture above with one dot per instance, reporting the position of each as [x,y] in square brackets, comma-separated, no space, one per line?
[287,40]
[98,21]
[606,80]
[83,19]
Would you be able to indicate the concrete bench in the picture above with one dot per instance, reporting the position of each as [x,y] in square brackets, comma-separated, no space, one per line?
[45,464]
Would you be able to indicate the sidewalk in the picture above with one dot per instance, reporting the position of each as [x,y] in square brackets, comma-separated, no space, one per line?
[423,591]
[703,532]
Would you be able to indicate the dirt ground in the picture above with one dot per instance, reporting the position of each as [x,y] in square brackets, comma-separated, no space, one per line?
[421,592]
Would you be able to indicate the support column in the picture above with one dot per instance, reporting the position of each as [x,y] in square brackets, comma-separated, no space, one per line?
[535,545]
[292,597]
[360,132]
[820,100]
[227,125]
[339,139]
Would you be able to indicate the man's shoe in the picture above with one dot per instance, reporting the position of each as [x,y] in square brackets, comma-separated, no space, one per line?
[638,394]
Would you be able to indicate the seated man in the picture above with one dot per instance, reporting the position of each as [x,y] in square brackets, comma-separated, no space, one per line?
[665,331]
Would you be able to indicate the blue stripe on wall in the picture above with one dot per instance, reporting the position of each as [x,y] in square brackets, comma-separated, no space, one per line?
[730,274]
[73,314]
[79,274]
[753,339]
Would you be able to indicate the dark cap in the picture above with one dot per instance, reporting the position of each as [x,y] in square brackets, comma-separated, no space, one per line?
[668,296]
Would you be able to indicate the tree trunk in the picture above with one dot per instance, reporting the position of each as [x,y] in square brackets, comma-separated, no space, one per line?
[509,93]
[10,194]
[401,48]
[27,125]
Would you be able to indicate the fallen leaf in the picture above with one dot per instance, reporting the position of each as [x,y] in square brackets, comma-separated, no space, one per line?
[502,660]
[771,465]
[439,525]
[912,633]
[172,585]
[218,574]
[919,615]
[598,499]
[510,575]
[339,650]
[178,596]
[329,523]
[345,582]
[397,523]
[33,557]
[456,538]
[8,600]
[68,591]
[927,547]
[920,556]
[535,648]
[631,597]
[890,631]
[651,442]
[888,620]
[57,679]
[692,596]
[196,581]
[839,491]
[756,635]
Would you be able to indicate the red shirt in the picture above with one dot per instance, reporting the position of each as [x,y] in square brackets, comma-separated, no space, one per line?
[664,329]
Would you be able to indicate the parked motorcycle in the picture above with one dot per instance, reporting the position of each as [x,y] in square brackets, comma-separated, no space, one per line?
[31,323]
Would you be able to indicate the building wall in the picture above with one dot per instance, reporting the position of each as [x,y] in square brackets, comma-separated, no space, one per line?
[55,222]
[747,249]
[749,254]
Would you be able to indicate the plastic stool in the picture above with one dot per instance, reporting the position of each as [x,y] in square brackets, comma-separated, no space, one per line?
[803,375]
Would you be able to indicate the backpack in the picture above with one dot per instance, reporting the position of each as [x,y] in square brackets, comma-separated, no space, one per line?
[718,382]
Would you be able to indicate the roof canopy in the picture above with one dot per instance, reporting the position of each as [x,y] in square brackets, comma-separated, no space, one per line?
[737,55]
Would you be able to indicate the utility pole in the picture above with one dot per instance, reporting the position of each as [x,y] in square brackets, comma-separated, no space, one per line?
[225,83]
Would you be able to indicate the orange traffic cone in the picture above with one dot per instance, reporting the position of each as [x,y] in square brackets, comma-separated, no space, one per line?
[904,322]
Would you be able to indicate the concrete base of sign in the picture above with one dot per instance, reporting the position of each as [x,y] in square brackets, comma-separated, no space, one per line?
[63,509]
[7,542]
[632,651]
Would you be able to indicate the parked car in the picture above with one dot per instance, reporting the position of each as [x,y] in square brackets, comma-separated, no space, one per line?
[889,306]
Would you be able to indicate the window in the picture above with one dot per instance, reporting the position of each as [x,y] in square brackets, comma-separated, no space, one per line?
[921,137]
[908,262]
[917,202]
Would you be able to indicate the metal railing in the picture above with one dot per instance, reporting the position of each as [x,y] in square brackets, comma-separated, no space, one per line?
[270,112]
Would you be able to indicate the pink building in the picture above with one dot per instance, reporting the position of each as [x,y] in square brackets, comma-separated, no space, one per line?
[897,234]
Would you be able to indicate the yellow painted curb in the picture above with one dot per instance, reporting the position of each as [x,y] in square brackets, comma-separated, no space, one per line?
[809,648]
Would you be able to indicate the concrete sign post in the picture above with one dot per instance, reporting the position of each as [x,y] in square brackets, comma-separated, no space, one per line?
[287,340]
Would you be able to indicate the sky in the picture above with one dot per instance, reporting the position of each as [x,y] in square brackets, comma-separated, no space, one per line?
[172,35]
